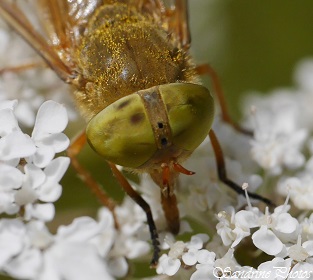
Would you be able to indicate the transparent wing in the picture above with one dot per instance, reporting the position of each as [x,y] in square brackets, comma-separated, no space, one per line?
[173,14]
[179,22]
[17,19]
[65,20]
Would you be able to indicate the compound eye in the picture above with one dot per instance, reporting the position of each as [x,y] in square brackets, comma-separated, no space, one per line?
[190,109]
[122,133]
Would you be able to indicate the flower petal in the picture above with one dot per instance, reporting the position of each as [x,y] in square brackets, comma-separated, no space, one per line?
[26,265]
[58,141]
[308,246]
[266,240]
[10,177]
[43,212]
[246,219]
[11,239]
[8,122]
[285,223]
[43,156]
[205,257]
[34,176]
[51,118]
[168,265]
[190,258]
[81,229]
[118,267]
[8,104]
[16,145]
[56,169]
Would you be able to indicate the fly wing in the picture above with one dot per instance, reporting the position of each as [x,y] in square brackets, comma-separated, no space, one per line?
[17,19]
[173,14]
[65,20]
[179,22]
[52,27]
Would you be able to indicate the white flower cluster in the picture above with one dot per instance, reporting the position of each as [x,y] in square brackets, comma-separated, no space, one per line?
[29,174]
[29,185]
[278,234]
[281,150]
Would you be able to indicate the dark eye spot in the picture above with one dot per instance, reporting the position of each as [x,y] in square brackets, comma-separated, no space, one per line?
[137,118]
[164,141]
[160,125]
[123,104]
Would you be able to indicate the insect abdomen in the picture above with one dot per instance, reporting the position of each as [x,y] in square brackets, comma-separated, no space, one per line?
[124,51]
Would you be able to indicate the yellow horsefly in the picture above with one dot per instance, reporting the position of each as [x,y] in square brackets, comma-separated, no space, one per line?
[136,85]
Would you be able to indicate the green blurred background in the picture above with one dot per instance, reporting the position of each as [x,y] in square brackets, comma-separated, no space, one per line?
[252,44]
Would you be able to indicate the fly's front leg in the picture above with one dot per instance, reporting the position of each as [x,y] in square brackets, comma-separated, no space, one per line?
[146,208]
[221,170]
[73,150]
[206,69]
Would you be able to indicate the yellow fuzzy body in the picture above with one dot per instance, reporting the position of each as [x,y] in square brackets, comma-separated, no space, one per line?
[123,51]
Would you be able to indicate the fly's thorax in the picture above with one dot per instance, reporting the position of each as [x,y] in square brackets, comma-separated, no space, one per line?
[162,124]
[123,51]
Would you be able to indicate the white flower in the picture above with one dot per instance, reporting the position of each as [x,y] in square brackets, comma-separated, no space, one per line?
[47,135]
[186,254]
[275,231]
[12,234]
[300,189]
[226,264]
[205,267]
[14,144]
[168,265]
[131,239]
[301,252]
[277,269]
[10,180]
[233,227]
[70,254]
[194,247]
[278,136]
[23,184]
[267,241]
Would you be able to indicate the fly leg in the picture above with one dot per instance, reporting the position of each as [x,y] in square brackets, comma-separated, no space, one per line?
[73,150]
[146,208]
[221,170]
[206,69]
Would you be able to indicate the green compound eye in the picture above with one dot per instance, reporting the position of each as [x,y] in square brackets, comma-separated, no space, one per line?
[123,133]
[190,109]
